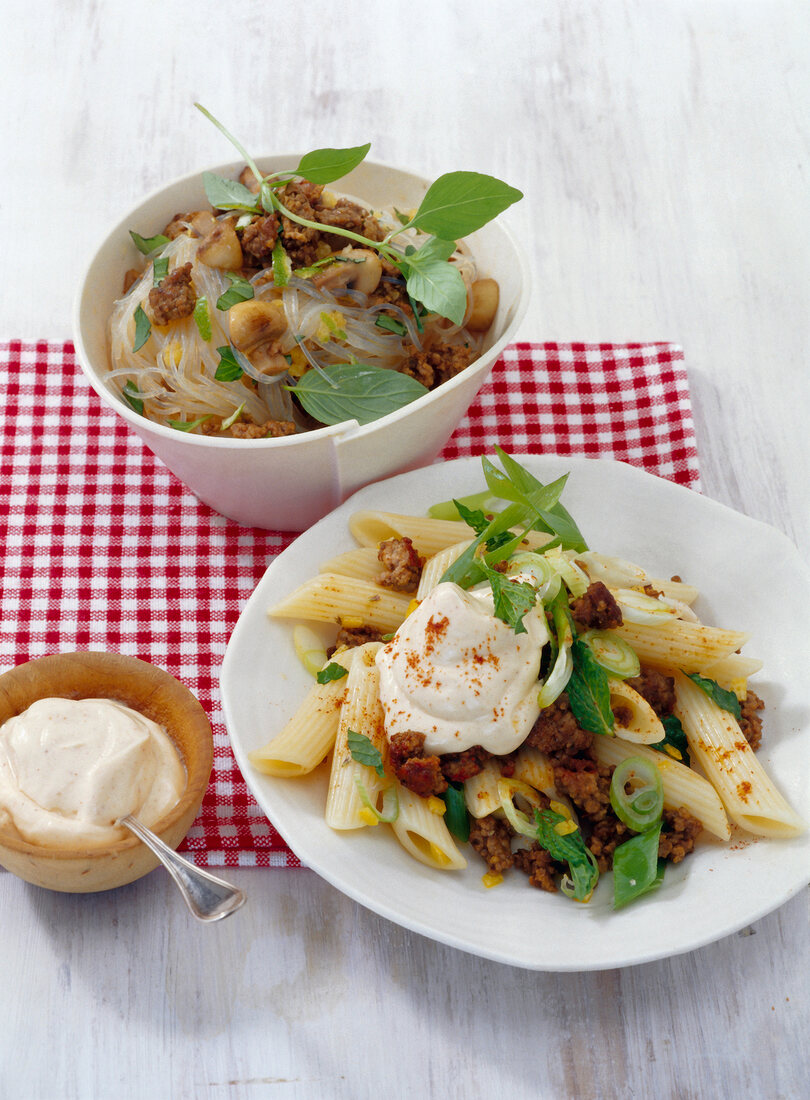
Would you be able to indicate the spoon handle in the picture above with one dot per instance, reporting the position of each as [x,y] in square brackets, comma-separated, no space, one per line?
[207,897]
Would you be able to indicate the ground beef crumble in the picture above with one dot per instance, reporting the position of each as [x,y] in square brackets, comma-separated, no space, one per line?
[597,609]
[492,840]
[750,721]
[173,298]
[678,834]
[419,773]
[656,688]
[539,866]
[403,565]
[433,366]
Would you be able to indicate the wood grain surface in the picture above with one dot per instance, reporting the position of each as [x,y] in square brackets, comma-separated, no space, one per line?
[663,149]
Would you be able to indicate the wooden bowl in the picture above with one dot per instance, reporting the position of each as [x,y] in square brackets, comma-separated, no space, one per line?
[152,692]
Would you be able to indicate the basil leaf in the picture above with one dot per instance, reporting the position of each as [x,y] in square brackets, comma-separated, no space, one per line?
[456,818]
[228,194]
[131,396]
[364,751]
[361,392]
[458,203]
[241,290]
[328,165]
[724,699]
[189,425]
[636,867]
[202,318]
[332,671]
[511,599]
[571,849]
[229,369]
[675,742]
[148,245]
[589,692]
[143,328]
[390,324]
[160,269]
[439,286]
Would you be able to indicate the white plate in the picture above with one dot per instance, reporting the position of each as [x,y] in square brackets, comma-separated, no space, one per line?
[753,579]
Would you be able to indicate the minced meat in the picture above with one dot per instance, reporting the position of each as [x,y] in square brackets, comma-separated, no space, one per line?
[351,636]
[538,865]
[419,773]
[679,832]
[403,565]
[174,297]
[259,239]
[656,688]
[597,609]
[556,732]
[435,365]
[492,840]
[458,767]
[750,721]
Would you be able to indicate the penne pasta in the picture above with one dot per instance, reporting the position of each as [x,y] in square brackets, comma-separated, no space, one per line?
[635,719]
[360,712]
[362,564]
[428,535]
[718,744]
[682,786]
[681,644]
[481,790]
[330,598]
[424,834]
[435,567]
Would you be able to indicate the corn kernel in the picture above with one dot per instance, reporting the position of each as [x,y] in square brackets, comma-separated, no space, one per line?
[412,606]
[368,817]
[492,879]
[439,856]
[173,353]
[672,751]
[351,622]
[560,808]
[436,805]
[564,828]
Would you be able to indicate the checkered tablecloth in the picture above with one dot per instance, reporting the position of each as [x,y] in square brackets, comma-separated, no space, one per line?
[102,548]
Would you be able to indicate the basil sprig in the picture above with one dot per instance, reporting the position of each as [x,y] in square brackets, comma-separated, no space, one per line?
[355,391]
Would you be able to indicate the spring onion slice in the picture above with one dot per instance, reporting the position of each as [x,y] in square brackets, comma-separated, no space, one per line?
[636,867]
[456,817]
[483,501]
[638,607]
[309,649]
[642,808]
[613,653]
[521,822]
[390,801]
[560,674]
[536,570]
[575,579]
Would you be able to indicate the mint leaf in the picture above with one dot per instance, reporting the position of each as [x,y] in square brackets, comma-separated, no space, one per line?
[458,203]
[364,751]
[327,165]
[355,391]
[724,699]
[511,599]
[241,290]
[231,365]
[147,245]
[570,849]
[132,396]
[332,671]
[227,194]
[143,328]
[589,691]
[675,739]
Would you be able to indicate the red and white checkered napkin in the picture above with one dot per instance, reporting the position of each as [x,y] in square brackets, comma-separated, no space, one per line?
[102,548]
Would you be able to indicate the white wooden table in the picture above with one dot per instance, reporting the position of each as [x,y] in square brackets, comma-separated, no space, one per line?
[664,151]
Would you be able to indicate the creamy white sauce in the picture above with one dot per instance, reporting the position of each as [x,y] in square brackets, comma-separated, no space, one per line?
[71,768]
[460,676]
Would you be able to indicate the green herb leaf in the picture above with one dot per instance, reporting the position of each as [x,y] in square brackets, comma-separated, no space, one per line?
[364,751]
[362,392]
[160,269]
[189,425]
[327,165]
[132,396]
[434,282]
[202,318]
[456,818]
[232,418]
[458,203]
[282,268]
[589,692]
[511,599]
[143,328]
[473,517]
[675,742]
[241,290]
[147,245]
[227,194]
[390,324]
[333,671]
[636,867]
[553,517]
[570,849]
[230,369]
[724,699]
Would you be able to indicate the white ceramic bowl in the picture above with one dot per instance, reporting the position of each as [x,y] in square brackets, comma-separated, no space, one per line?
[288,483]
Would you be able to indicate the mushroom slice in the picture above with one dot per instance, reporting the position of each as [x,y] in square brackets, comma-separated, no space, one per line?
[220,248]
[484,296]
[256,328]
[359,268]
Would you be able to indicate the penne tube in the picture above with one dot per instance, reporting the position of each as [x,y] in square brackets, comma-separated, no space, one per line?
[635,719]
[330,598]
[618,573]
[732,673]
[310,734]
[682,786]
[533,767]
[370,528]
[435,567]
[718,744]
[361,563]
[424,834]
[362,713]
[680,644]
[481,790]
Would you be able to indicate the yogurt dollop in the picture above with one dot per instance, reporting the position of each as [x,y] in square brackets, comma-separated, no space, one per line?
[461,676]
[71,768]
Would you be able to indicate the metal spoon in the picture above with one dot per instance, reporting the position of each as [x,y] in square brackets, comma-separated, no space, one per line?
[207,897]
